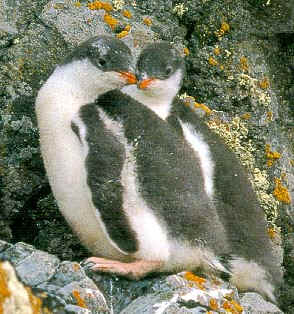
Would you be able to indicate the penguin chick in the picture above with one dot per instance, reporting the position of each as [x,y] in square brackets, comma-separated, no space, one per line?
[252,262]
[96,66]
[147,188]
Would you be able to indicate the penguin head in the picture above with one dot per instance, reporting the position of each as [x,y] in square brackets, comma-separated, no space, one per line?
[160,69]
[110,56]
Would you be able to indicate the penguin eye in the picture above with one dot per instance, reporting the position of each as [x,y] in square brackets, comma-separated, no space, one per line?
[101,62]
[168,70]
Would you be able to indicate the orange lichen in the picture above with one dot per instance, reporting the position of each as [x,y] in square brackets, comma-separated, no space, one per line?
[264,84]
[4,291]
[246,116]
[281,193]
[111,21]
[36,303]
[122,34]
[96,5]
[225,27]
[212,61]
[237,306]
[76,267]
[213,304]
[217,51]
[127,13]
[79,299]
[269,116]
[272,232]
[99,5]
[186,51]
[203,107]
[195,279]
[147,21]
[270,155]
[127,28]
[244,63]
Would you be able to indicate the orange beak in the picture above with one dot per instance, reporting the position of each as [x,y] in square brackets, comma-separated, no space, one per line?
[145,83]
[129,77]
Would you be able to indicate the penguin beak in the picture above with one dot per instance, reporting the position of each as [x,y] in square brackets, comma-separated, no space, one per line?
[129,77]
[145,83]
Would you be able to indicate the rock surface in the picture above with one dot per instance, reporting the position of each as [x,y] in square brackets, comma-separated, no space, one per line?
[240,63]
[65,287]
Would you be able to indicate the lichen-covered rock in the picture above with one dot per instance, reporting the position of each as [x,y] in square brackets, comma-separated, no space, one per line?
[240,61]
[61,286]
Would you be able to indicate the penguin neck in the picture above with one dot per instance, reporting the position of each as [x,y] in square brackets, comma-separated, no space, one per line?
[82,80]
[160,97]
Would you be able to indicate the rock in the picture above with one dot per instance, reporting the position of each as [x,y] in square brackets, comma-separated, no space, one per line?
[14,296]
[255,304]
[239,64]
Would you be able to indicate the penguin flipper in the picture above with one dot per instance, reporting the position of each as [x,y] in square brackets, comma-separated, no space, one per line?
[104,160]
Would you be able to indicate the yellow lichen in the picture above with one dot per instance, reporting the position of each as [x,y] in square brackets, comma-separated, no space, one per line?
[246,116]
[127,28]
[270,155]
[213,304]
[147,21]
[292,162]
[217,51]
[118,4]
[281,193]
[127,13]
[212,61]
[199,281]
[235,134]
[77,4]
[186,51]
[264,84]
[111,21]
[244,64]
[122,34]
[80,301]
[180,9]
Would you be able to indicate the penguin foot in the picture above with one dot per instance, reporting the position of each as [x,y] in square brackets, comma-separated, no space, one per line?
[133,270]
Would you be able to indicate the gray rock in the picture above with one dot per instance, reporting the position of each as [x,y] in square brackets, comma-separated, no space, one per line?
[255,304]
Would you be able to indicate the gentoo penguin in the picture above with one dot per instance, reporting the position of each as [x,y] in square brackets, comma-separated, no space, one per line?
[251,260]
[98,65]
[147,188]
